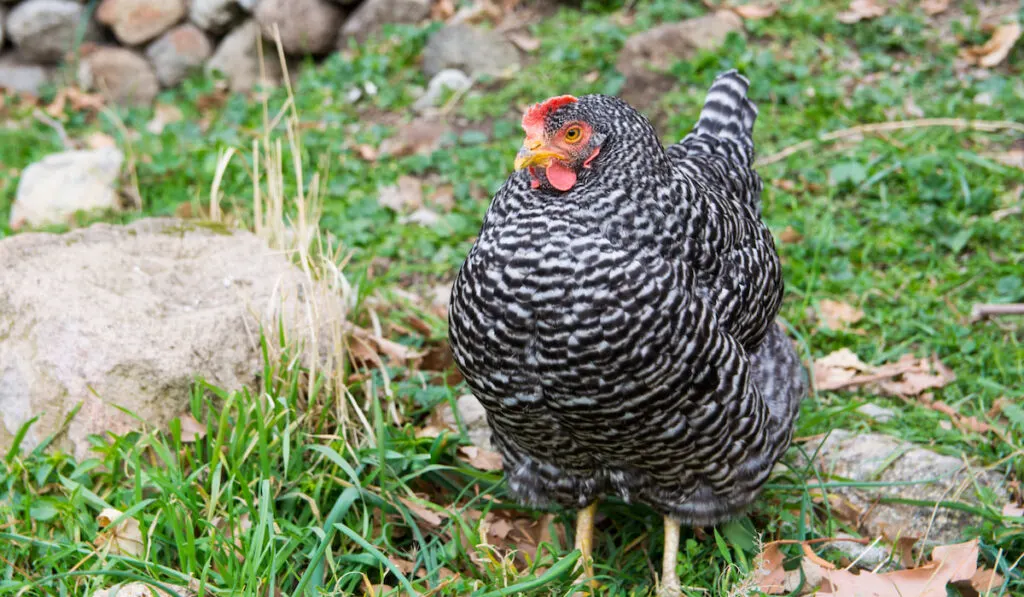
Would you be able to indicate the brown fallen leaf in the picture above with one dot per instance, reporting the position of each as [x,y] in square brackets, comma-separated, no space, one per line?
[986,580]
[365,346]
[366,152]
[752,12]
[442,10]
[98,140]
[484,460]
[907,377]
[421,136]
[838,370]
[404,196]
[790,236]
[997,48]
[934,7]
[123,539]
[523,40]
[837,315]
[191,429]
[950,563]
[443,197]
[431,518]
[163,115]
[860,10]
[769,573]
[1013,510]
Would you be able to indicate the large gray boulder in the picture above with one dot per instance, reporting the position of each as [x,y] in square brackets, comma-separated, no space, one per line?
[469,49]
[126,317]
[44,30]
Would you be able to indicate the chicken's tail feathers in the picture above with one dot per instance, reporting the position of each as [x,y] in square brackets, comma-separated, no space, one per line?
[726,122]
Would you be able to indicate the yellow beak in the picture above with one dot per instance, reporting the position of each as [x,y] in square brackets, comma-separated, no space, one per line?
[533,154]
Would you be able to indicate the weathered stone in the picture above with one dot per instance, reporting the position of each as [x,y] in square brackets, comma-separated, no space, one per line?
[471,50]
[472,415]
[876,413]
[216,16]
[935,477]
[306,26]
[44,30]
[121,76]
[20,76]
[236,57]
[448,80]
[138,21]
[373,14]
[53,189]
[129,317]
[648,55]
[177,52]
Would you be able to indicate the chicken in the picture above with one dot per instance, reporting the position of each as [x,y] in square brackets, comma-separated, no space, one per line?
[616,316]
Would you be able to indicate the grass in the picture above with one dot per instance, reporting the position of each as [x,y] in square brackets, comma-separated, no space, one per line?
[307,485]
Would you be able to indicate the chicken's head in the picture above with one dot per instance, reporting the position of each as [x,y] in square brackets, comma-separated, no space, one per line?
[560,141]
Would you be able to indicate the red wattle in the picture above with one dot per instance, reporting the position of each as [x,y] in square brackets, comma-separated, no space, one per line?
[560,177]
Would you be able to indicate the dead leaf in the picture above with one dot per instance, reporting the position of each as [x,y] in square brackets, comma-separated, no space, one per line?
[860,10]
[421,136]
[367,347]
[163,115]
[123,539]
[403,197]
[1013,158]
[815,558]
[423,216]
[428,516]
[997,48]
[985,581]
[98,140]
[752,12]
[934,7]
[769,573]
[837,315]
[367,152]
[790,236]
[191,429]
[523,40]
[1013,510]
[443,197]
[484,460]
[442,10]
[838,369]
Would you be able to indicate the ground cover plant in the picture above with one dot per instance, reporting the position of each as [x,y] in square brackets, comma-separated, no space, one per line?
[345,481]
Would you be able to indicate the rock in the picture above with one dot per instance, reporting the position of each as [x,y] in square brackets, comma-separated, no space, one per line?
[868,557]
[648,55]
[876,413]
[129,316]
[473,416]
[20,76]
[44,30]
[881,458]
[178,52]
[53,189]
[236,57]
[138,21]
[471,50]
[449,79]
[306,26]
[122,76]
[218,16]
[373,14]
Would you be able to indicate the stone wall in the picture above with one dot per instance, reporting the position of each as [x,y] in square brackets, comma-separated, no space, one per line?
[130,49]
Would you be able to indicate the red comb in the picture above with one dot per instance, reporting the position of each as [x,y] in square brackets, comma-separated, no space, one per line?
[533,120]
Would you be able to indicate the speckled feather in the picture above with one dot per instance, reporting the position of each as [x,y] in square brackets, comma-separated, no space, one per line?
[622,334]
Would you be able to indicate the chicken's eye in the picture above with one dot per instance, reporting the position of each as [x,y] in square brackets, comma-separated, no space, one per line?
[573,135]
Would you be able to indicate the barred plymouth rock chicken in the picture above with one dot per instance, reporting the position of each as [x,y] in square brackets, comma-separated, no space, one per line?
[616,316]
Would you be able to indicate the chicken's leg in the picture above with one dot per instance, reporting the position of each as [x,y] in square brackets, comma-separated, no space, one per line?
[669,576]
[585,541]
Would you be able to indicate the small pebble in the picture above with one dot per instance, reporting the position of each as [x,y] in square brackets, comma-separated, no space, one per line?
[876,413]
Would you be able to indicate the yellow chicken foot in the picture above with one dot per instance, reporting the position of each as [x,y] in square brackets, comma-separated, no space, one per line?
[669,576]
[585,542]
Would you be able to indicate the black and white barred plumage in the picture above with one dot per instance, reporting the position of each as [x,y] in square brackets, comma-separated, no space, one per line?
[622,334]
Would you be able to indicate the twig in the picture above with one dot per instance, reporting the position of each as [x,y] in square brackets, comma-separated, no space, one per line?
[881,127]
[981,311]
[56,126]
